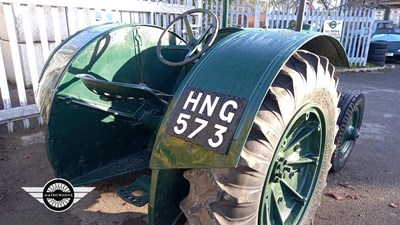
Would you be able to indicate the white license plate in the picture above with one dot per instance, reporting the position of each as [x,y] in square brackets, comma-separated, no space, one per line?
[389,54]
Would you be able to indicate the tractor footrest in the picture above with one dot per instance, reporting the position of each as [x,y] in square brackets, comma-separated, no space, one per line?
[131,163]
[136,193]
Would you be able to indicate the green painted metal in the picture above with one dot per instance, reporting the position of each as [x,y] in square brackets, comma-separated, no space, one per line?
[88,136]
[168,188]
[225,11]
[295,168]
[136,193]
[351,133]
[243,64]
[58,62]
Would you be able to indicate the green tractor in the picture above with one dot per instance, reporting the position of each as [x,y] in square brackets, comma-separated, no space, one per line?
[238,126]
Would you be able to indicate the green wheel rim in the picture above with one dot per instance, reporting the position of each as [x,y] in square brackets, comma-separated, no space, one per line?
[351,133]
[295,168]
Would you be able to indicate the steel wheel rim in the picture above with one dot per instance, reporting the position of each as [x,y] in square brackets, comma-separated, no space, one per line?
[294,169]
[351,133]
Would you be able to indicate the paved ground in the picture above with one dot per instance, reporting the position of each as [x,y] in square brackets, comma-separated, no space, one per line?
[369,183]
[371,178]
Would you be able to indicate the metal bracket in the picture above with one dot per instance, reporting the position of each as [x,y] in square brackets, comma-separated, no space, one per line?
[136,193]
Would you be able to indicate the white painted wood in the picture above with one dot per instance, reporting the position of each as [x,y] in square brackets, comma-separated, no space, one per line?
[81,19]
[16,59]
[55,18]
[30,48]
[5,93]
[279,18]
[257,16]
[160,12]
[92,17]
[135,6]
[43,32]
[72,17]
[31,52]
[18,113]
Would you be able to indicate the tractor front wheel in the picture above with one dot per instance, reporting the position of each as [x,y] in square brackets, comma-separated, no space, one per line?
[351,106]
[283,166]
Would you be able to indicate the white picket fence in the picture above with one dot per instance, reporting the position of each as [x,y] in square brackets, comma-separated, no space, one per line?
[357,22]
[31,29]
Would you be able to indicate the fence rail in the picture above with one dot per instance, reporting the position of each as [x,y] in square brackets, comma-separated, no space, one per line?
[33,28]
[356,32]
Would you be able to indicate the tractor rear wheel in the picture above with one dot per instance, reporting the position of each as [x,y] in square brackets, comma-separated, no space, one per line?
[283,166]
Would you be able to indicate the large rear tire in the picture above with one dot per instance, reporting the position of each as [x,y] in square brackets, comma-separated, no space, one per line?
[283,167]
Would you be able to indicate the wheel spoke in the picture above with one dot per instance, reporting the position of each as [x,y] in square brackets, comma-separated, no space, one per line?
[191,52]
[275,203]
[302,133]
[203,36]
[304,160]
[188,29]
[296,195]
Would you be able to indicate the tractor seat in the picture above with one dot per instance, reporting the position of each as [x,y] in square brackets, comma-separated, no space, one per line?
[109,90]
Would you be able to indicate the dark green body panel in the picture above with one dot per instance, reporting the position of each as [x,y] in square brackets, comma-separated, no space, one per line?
[90,138]
[86,133]
[243,64]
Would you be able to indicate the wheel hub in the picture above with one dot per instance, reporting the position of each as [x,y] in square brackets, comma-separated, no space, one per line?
[295,168]
[352,133]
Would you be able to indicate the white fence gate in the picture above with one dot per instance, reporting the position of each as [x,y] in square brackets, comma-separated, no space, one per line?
[357,22]
[31,29]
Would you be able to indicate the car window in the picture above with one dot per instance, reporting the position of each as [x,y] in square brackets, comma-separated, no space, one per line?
[385,37]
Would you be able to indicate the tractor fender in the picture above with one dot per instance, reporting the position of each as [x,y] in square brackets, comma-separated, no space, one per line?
[235,74]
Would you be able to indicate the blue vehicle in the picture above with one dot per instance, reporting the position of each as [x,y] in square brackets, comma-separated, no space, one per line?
[384,31]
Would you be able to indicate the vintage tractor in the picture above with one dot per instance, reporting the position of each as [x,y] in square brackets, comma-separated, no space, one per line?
[238,126]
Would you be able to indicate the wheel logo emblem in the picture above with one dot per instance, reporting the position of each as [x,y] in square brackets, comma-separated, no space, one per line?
[58,195]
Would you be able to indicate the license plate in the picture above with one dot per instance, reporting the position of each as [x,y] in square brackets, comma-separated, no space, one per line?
[389,54]
[206,118]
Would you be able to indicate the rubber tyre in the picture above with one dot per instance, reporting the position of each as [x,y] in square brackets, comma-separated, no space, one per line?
[378,45]
[378,63]
[377,58]
[233,195]
[377,51]
[349,103]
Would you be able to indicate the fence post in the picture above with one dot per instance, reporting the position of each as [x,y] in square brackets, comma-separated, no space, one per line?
[5,92]
[370,24]
[16,58]
[257,15]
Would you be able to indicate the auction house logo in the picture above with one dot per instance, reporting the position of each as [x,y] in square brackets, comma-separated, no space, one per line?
[58,194]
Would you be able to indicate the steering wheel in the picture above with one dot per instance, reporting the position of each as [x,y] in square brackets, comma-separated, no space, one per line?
[196,46]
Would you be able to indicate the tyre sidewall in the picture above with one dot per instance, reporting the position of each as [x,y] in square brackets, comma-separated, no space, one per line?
[351,101]
[324,99]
